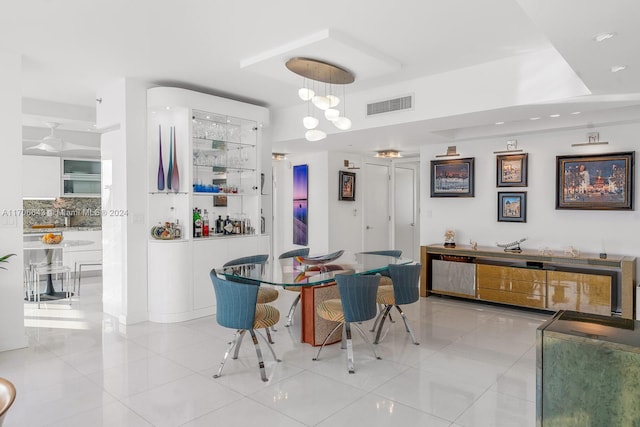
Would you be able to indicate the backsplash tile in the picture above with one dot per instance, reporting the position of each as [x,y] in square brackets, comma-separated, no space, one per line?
[82,212]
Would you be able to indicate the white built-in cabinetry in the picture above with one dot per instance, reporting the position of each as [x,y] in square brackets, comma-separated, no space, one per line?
[40,177]
[219,151]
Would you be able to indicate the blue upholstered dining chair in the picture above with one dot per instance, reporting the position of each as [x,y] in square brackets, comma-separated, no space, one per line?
[405,290]
[237,308]
[265,294]
[357,303]
[385,279]
[292,309]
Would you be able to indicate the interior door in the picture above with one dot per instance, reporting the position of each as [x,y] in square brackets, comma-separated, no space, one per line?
[405,230]
[376,207]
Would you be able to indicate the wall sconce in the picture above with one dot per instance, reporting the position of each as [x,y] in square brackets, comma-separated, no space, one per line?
[451,152]
[278,156]
[512,147]
[593,138]
[349,165]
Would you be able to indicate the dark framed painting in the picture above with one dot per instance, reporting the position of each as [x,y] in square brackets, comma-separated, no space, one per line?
[300,205]
[512,170]
[595,181]
[347,186]
[219,200]
[512,206]
[452,177]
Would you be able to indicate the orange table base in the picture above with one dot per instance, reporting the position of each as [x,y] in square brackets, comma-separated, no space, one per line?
[314,327]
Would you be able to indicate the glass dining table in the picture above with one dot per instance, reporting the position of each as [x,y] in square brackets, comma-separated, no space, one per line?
[315,280]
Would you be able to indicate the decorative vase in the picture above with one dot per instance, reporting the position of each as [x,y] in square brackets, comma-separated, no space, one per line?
[160,166]
[175,175]
[170,170]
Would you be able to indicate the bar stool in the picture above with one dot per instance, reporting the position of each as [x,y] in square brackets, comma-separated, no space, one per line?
[77,272]
[37,270]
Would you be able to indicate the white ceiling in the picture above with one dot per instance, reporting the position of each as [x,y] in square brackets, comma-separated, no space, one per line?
[237,49]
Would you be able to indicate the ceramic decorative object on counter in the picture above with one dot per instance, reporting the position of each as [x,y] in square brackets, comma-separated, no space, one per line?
[175,175]
[160,166]
[449,239]
[161,232]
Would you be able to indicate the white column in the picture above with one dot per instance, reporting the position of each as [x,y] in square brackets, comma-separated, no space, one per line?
[122,111]
[11,289]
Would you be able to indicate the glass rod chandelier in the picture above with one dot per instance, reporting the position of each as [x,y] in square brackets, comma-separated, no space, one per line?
[319,89]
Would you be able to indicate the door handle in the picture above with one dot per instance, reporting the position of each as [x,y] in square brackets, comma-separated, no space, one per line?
[369,227]
[412,224]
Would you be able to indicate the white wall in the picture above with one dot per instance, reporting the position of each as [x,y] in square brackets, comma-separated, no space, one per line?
[476,218]
[11,294]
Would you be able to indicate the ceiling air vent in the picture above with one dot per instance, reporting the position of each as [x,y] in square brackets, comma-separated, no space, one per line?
[389,105]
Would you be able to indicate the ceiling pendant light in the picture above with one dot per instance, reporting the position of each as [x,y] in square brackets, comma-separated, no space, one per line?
[342,123]
[331,114]
[306,94]
[314,135]
[333,100]
[310,122]
[315,71]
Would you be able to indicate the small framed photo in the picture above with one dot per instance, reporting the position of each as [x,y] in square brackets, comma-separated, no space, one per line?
[452,178]
[511,170]
[595,181]
[512,206]
[347,186]
[219,200]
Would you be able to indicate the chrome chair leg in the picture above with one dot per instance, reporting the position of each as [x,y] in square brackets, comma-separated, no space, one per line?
[350,364]
[269,335]
[263,373]
[292,311]
[226,354]
[325,341]
[238,344]
[364,336]
[378,317]
[406,325]
[273,353]
[387,309]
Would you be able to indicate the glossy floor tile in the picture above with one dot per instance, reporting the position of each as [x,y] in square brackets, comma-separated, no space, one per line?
[475,366]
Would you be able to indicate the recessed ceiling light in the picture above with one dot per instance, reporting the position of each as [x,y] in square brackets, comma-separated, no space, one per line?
[603,36]
[499,123]
[554,115]
[617,68]
[534,118]
[575,113]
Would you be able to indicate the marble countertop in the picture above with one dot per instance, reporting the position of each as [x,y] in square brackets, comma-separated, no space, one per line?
[58,229]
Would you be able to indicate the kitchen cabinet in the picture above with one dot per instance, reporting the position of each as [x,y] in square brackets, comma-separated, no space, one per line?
[40,177]
[81,177]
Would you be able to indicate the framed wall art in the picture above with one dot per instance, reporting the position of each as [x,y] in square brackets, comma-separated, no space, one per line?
[452,178]
[595,181]
[347,186]
[300,205]
[511,170]
[512,206]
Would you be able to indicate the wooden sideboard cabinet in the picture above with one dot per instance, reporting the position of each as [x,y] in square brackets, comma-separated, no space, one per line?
[584,283]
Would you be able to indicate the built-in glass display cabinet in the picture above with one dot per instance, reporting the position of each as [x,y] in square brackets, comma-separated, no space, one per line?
[205,160]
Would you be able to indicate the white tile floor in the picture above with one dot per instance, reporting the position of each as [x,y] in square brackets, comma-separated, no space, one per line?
[475,366]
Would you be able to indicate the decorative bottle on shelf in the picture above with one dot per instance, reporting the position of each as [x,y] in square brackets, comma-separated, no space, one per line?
[197,223]
[219,225]
[177,232]
[175,175]
[205,224]
[160,166]
[263,224]
[170,169]
[228,226]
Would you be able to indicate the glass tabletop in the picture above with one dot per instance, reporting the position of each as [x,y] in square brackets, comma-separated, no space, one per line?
[291,272]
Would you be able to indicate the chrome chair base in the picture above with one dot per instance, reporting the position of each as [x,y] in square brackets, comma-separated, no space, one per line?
[385,314]
[348,343]
[237,342]
[292,311]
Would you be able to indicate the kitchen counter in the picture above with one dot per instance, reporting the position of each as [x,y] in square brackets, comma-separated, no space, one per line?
[58,230]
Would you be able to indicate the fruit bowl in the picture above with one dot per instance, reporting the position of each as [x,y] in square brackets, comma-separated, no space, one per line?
[52,239]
